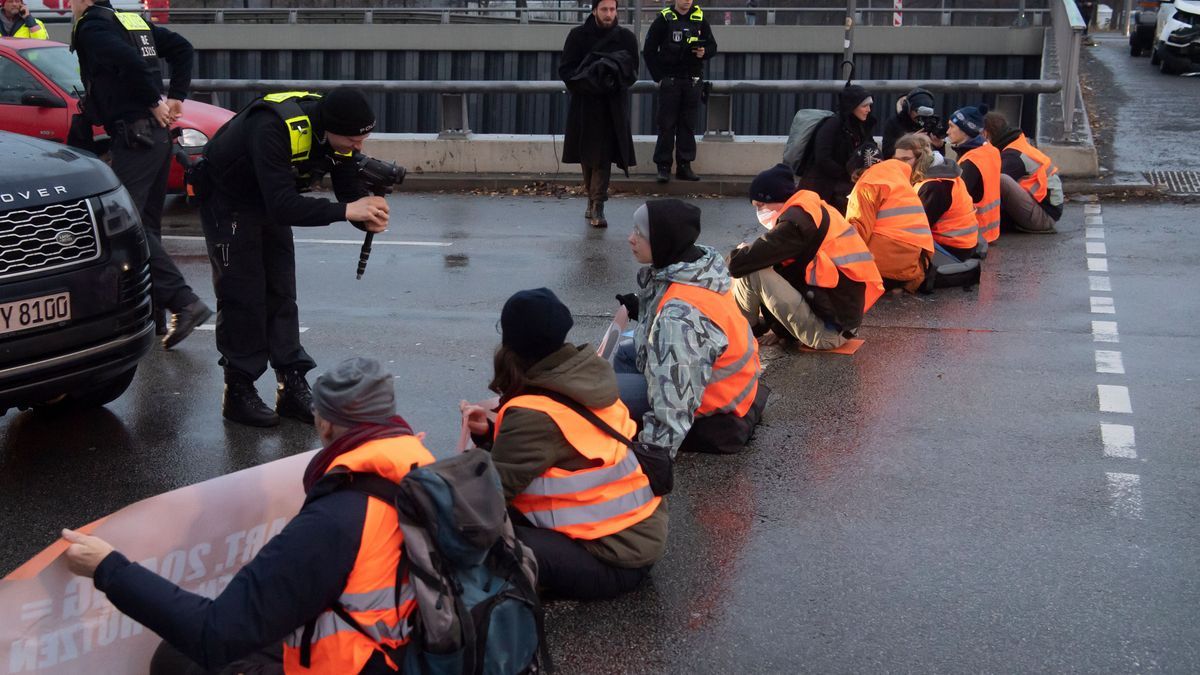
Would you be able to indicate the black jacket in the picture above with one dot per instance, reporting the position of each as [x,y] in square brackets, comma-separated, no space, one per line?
[249,162]
[834,141]
[123,86]
[938,195]
[598,124]
[667,58]
[896,126]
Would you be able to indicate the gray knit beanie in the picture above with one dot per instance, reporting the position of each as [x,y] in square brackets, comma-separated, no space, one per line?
[354,392]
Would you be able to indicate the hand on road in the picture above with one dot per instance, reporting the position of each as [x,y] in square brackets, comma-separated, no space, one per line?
[85,552]
[476,417]
[162,114]
[371,212]
[768,338]
[176,108]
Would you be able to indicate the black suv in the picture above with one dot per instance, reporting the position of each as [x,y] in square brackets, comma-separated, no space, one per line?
[74,278]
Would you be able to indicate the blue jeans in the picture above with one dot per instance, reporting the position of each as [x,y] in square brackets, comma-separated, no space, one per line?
[631,383]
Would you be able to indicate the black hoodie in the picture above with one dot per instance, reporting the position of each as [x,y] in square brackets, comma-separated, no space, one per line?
[674,228]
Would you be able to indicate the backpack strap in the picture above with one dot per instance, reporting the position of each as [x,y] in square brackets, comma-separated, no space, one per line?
[396,655]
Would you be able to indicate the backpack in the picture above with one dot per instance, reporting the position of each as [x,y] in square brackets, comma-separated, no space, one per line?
[946,271]
[477,611]
[797,151]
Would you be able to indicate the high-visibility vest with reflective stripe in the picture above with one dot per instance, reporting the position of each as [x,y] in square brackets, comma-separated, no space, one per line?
[299,127]
[986,159]
[957,228]
[841,252]
[370,594]
[901,216]
[1038,182]
[593,502]
[734,382]
[38,32]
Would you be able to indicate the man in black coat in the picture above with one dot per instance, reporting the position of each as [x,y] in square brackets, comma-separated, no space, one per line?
[599,63]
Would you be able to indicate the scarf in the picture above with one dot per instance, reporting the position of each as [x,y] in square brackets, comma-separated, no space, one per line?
[970,144]
[355,437]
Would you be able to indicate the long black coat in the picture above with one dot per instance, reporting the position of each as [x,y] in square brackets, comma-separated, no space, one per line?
[598,127]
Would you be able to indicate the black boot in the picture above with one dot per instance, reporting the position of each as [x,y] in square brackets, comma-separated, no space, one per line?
[293,398]
[598,219]
[664,174]
[185,321]
[684,172]
[590,209]
[242,404]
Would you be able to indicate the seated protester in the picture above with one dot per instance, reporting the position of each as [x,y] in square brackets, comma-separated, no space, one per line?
[331,552]
[948,206]
[1031,195]
[835,141]
[980,164]
[593,538]
[888,214]
[809,277]
[909,110]
[691,372]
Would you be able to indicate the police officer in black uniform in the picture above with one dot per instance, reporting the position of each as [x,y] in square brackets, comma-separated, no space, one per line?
[250,184]
[118,62]
[677,45]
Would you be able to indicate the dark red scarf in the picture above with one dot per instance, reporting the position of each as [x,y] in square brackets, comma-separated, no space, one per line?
[355,437]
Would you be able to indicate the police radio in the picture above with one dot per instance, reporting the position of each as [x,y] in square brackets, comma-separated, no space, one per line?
[379,177]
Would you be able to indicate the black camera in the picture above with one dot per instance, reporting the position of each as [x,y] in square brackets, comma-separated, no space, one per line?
[379,176]
[931,124]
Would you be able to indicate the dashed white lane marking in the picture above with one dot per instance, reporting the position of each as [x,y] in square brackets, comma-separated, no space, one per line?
[1097,264]
[1093,220]
[1102,305]
[1118,441]
[1096,248]
[1105,331]
[356,242]
[1094,233]
[213,326]
[1125,493]
[1109,362]
[1114,398]
[1099,284]
[1091,209]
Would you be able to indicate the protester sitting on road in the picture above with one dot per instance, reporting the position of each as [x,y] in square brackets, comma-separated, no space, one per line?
[835,141]
[342,547]
[589,515]
[948,205]
[911,112]
[889,216]
[1031,195]
[980,164]
[809,277]
[690,374]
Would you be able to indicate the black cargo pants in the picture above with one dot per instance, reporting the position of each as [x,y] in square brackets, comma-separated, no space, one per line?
[677,118]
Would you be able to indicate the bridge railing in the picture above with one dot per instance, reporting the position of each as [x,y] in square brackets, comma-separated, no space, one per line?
[1068,28]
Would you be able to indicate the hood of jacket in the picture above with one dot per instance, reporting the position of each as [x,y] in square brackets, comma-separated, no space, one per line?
[708,271]
[576,372]
[1010,134]
[944,170]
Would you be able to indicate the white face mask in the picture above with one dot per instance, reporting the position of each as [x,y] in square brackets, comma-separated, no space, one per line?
[767,216]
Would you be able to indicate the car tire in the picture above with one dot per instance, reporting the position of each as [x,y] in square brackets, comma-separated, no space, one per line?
[99,394]
[1155,56]
[1165,66]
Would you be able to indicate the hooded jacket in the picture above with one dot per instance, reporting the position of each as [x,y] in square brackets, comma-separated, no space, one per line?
[902,122]
[1014,166]
[834,141]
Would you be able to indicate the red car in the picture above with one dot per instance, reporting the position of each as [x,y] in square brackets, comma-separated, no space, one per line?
[38,84]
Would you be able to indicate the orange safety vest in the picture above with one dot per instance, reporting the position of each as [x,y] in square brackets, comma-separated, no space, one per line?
[957,228]
[370,594]
[986,158]
[842,251]
[1038,182]
[901,216]
[734,381]
[593,502]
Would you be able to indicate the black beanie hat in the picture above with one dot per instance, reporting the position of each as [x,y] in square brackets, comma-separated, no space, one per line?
[773,186]
[851,96]
[674,228]
[345,111]
[534,323]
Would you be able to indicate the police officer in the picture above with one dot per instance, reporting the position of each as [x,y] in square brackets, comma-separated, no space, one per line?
[118,62]
[677,45]
[250,183]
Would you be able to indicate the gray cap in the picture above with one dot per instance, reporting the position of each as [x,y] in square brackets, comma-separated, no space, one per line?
[355,391]
[641,221]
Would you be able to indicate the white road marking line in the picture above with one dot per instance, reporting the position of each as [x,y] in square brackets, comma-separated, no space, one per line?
[1109,362]
[1114,398]
[356,242]
[1097,264]
[1105,331]
[1125,492]
[1093,220]
[1091,209]
[1094,233]
[213,326]
[1102,305]
[1096,248]
[1118,441]
[1099,283]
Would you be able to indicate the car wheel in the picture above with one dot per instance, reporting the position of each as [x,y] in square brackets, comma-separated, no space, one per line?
[1165,66]
[94,397]
[1155,57]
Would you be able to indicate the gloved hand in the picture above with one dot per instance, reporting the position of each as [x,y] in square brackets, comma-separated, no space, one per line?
[630,302]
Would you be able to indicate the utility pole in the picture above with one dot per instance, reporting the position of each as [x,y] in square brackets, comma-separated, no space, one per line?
[848,45]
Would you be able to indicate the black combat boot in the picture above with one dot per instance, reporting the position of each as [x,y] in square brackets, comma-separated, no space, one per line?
[684,172]
[664,174]
[598,219]
[185,321]
[590,209]
[242,404]
[293,398]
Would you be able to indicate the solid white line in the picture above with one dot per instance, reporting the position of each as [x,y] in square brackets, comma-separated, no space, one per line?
[356,242]
[1125,492]
[1094,233]
[1109,362]
[1118,441]
[1102,305]
[1105,331]
[1093,220]
[1099,283]
[1097,264]
[212,326]
[1091,209]
[1097,248]
[1114,398]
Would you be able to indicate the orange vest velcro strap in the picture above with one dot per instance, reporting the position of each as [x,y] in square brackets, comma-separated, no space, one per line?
[841,252]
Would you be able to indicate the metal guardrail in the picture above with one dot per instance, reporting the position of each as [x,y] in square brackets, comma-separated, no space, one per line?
[1068,28]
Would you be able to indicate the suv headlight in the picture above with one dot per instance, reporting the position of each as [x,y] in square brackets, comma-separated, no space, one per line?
[117,212]
[192,138]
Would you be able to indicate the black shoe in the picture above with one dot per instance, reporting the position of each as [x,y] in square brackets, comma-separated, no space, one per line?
[293,398]
[242,404]
[185,321]
[590,209]
[598,219]
[684,172]
[664,174]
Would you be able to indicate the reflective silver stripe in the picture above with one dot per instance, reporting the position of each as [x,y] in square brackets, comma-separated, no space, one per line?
[958,233]
[592,513]
[383,598]
[737,400]
[850,232]
[899,211]
[852,258]
[916,229]
[547,486]
[990,227]
[329,623]
[987,207]
[735,367]
[812,274]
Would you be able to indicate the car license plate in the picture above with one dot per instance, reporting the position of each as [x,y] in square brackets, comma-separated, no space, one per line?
[34,312]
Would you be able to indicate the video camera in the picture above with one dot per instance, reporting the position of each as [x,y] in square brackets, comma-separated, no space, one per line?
[379,176]
[930,123]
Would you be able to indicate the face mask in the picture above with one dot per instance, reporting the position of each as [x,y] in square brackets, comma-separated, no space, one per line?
[766,217]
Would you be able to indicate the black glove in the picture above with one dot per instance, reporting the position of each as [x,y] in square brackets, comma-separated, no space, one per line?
[630,302]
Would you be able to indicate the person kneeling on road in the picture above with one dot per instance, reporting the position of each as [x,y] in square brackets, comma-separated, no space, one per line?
[1031,195]
[810,277]
[251,180]
[589,514]
[332,552]
[690,374]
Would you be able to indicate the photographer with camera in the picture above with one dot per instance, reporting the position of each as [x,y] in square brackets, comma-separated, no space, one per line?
[250,183]
[914,114]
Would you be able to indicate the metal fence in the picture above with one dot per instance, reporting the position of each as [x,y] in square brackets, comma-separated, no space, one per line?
[1068,29]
